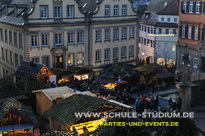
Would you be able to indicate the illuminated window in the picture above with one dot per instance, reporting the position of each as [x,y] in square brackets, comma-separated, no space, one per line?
[80,58]
[71,58]
[174,47]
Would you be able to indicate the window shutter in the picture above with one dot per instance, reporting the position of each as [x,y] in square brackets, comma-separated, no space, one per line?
[182,4]
[194,7]
[192,32]
[180,31]
[199,30]
[186,31]
[187,7]
[203,32]
[200,7]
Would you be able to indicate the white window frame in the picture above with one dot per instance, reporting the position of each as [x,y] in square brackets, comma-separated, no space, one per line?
[44,11]
[107,10]
[175,20]
[115,53]
[189,63]
[191,6]
[198,5]
[195,62]
[34,40]
[44,39]
[162,19]
[183,31]
[57,11]
[107,34]
[168,19]
[124,33]
[115,33]
[98,55]
[70,11]
[107,54]
[58,39]
[182,59]
[185,6]
[132,32]
[80,37]
[124,10]
[116,10]
[71,37]
[98,35]
[131,50]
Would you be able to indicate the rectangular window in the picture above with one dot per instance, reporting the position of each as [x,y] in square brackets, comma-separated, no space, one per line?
[70,11]
[2,53]
[20,40]
[182,58]
[6,36]
[189,32]
[131,50]
[43,11]
[116,10]
[6,55]
[16,60]
[11,57]
[115,53]
[145,28]
[34,40]
[107,34]
[116,33]
[107,10]
[160,30]
[57,11]
[124,33]
[183,31]
[15,39]
[195,62]
[10,37]
[80,58]
[162,19]
[98,35]
[123,52]
[35,60]
[44,39]
[132,32]
[107,54]
[175,31]
[175,20]
[166,46]
[191,5]
[46,61]
[174,47]
[58,39]
[80,37]
[124,10]
[167,31]
[189,63]
[196,33]
[71,59]
[1,34]
[98,55]
[184,7]
[198,7]
[71,38]
[168,19]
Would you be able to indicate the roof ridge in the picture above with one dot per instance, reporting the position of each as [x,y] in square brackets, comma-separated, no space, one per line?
[168,4]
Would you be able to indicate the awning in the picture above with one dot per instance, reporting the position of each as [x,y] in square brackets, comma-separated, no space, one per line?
[15,127]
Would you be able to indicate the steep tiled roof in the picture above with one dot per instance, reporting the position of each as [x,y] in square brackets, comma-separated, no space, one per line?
[170,9]
[28,68]
[157,5]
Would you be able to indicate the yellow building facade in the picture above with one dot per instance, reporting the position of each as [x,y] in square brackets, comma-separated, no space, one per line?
[58,34]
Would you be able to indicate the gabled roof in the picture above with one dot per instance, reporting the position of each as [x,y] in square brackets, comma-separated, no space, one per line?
[8,89]
[170,9]
[157,5]
[78,103]
[28,68]
[12,104]
[116,71]
[30,83]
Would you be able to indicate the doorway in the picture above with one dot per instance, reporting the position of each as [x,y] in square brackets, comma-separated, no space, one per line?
[59,62]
